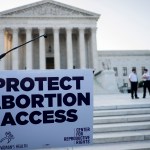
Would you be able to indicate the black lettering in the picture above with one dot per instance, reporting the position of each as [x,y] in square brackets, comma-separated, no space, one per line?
[19,116]
[69,99]
[63,81]
[59,99]
[27,84]
[32,117]
[40,82]
[78,81]
[72,117]
[53,83]
[37,99]
[60,117]
[48,116]
[82,98]
[8,119]
[12,83]
[23,98]
[50,99]
[2,83]
[8,102]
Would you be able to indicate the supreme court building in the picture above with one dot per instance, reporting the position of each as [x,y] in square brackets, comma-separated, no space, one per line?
[70,43]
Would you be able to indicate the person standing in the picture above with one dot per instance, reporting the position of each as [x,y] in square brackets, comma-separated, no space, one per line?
[146,80]
[134,83]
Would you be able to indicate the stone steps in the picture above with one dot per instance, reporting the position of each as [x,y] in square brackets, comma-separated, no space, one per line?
[121,124]
[136,145]
[124,136]
[121,119]
[128,106]
[121,112]
[100,128]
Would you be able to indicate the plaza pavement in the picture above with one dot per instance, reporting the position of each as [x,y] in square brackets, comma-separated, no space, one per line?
[111,100]
[119,99]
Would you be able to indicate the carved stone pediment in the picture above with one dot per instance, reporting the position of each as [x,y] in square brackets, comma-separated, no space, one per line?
[46,8]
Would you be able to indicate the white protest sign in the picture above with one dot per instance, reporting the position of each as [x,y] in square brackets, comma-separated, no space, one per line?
[46,108]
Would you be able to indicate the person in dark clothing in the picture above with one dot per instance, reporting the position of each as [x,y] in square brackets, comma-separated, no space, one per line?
[134,83]
[146,78]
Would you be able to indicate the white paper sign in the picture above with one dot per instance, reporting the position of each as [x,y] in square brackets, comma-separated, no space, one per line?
[43,109]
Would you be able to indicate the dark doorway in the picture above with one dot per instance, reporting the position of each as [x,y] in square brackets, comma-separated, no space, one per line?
[49,63]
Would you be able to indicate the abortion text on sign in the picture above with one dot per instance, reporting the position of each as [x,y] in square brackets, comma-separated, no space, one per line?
[54,102]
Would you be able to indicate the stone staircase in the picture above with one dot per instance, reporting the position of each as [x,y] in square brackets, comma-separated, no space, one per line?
[126,124]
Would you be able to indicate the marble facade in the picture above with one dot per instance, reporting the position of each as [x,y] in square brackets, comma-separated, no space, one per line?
[70,42]
[122,62]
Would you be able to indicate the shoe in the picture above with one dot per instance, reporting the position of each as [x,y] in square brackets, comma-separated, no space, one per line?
[144,97]
[137,98]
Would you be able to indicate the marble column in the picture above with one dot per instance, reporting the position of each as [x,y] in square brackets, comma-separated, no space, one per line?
[15,53]
[56,48]
[8,58]
[69,48]
[82,48]
[29,53]
[42,49]
[94,49]
[7,48]
[2,47]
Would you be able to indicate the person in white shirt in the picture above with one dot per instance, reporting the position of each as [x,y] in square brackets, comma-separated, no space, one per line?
[146,79]
[134,83]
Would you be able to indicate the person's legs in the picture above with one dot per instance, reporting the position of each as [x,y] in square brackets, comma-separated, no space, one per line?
[135,89]
[132,87]
[148,86]
[144,89]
